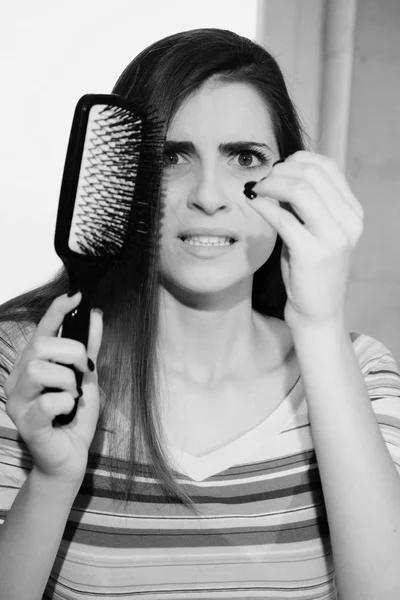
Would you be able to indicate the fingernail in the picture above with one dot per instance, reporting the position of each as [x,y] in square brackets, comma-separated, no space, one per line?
[248,192]
[249,185]
[72,292]
[91,365]
[281,160]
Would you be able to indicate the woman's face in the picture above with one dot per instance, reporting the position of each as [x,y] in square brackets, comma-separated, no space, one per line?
[211,238]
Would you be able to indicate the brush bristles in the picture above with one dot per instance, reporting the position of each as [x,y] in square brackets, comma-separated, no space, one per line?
[119,182]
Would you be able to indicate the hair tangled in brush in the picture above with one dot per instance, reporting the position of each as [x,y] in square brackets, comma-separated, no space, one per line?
[163,76]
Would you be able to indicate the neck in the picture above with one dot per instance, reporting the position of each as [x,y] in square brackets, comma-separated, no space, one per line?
[210,341]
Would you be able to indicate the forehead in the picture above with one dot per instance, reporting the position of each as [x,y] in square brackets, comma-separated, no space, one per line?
[223,110]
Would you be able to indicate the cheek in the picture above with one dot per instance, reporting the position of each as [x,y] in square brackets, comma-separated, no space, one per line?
[176,184]
[169,220]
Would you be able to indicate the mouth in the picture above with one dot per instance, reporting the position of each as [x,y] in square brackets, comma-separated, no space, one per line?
[208,240]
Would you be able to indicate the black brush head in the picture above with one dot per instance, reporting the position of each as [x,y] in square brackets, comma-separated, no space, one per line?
[109,210]
[109,206]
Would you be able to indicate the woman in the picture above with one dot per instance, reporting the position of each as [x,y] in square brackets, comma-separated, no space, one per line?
[247,460]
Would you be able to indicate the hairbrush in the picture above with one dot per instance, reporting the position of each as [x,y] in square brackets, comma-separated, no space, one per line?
[108,205]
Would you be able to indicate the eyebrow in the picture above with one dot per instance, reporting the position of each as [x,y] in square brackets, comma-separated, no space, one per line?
[186,147]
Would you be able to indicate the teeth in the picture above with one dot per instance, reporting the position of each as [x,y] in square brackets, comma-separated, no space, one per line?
[203,240]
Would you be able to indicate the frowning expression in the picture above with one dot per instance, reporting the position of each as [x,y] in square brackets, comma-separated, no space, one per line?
[212,240]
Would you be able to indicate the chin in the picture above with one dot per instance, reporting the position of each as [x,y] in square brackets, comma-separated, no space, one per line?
[212,288]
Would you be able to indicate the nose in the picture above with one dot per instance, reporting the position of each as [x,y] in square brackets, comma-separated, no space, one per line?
[207,194]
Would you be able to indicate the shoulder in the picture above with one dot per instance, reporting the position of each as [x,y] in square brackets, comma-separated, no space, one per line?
[372,354]
[380,369]
[382,380]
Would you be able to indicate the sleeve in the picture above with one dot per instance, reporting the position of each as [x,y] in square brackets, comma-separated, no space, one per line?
[382,378]
[7,359]
[15,459]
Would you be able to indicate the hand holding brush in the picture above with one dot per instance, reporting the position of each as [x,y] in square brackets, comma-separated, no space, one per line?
[108,213]
[58,452]
[108,216]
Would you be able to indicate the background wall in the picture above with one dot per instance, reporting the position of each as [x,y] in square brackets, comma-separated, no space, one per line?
[373,168]
[51,53]
[293,31]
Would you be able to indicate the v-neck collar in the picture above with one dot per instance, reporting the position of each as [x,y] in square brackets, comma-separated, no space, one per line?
[199,468]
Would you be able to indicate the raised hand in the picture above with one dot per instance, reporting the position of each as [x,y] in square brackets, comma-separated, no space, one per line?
[57,451]
[317,252]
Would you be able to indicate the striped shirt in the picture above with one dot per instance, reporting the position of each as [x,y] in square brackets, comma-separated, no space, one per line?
[262,531]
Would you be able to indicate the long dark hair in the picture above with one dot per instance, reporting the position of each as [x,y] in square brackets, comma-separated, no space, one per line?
[163,76]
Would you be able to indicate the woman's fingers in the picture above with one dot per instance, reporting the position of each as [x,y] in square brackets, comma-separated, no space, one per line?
[310,189]
[40,374]
[26,404]
[52,320]
[41,413]
[301,196]
[296,236]
[46,350]
[61,350]
[42,386]
[332,171]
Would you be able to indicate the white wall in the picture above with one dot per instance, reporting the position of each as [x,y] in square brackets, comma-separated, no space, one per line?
[51,53]
[373,169]
[292,30]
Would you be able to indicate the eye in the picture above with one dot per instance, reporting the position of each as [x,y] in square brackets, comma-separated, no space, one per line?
[250,159]
[246,159]
[172,159]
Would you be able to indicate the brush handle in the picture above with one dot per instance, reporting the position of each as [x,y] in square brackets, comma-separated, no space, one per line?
[76,327]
